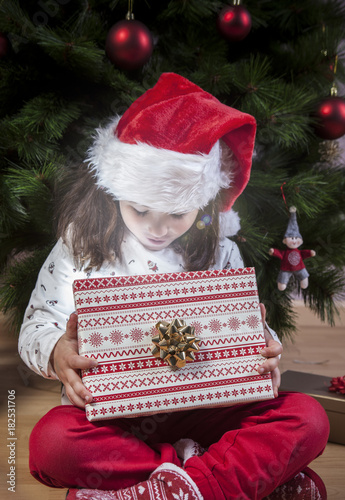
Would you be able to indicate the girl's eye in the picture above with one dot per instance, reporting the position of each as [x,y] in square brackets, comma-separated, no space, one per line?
[140,214]
[177,216]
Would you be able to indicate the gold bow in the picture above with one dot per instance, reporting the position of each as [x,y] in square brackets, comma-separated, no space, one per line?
[175,343]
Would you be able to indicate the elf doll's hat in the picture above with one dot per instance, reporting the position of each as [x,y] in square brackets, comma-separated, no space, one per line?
[174,149]
[292,230]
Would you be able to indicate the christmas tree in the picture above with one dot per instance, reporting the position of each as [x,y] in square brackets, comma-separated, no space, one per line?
[64,72]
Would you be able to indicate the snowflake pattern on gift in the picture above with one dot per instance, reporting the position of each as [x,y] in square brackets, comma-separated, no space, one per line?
[197,328]
[96,339]
[215,326]
[116,337]
[253,321]
[224,370]
[234,324]
[136,334]
[152,332]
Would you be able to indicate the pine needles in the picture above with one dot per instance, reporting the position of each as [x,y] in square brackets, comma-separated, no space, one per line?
[56,85]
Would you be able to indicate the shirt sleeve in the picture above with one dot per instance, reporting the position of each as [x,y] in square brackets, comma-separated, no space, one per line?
[273,334]
[50,306]
[229,256]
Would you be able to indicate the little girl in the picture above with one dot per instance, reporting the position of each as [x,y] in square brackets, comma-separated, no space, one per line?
[156,196]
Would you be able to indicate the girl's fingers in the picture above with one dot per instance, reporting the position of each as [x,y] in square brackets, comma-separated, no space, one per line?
[263,313]
[81,363]
[276,381]
[271,366]
[272,350]
[72,327]
[75,399]
[268,366]
[77,392]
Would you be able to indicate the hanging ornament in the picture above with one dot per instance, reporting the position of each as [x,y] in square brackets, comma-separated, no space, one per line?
[292,258]
[4,45]
[330,116]
[234,22]
[129,43]
[330,113]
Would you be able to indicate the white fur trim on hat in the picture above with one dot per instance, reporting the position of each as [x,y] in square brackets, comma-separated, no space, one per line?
[163,180]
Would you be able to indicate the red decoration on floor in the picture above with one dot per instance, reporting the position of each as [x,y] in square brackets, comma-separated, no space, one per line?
[338,385]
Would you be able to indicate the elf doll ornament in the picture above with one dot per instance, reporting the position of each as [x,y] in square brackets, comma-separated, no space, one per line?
[292,259]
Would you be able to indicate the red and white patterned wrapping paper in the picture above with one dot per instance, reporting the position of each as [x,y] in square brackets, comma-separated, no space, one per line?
[116,323]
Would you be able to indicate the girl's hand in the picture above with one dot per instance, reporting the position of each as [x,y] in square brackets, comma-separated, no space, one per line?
[67,364]
[272,351]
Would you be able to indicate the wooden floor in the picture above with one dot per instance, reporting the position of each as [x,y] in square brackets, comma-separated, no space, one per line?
[317,349]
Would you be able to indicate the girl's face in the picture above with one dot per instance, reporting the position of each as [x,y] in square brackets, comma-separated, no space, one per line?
[155,230]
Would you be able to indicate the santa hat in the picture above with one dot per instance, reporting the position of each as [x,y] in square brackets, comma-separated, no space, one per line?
[174,149]
[292,230]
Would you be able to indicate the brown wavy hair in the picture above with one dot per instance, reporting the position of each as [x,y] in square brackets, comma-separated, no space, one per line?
[90,222]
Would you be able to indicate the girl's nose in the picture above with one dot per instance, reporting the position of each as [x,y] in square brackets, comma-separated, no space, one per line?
[157,226]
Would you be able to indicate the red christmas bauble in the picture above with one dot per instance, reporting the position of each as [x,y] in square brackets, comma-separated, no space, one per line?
[4,45]
[330,115]
[234,22]
[129,44]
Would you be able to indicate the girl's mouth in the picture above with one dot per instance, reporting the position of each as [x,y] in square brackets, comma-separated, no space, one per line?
[156,241]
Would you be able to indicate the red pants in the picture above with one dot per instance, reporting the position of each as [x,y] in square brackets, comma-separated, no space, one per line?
[252,448]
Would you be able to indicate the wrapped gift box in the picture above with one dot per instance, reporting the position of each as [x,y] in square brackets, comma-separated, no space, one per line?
[317,387]
[116,324]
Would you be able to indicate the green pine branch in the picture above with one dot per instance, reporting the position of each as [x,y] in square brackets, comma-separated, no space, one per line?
[17,282]
[27,219]
[325,293]
[13,19]
[35,130]
[194,11]
[57,85]
[77,54]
